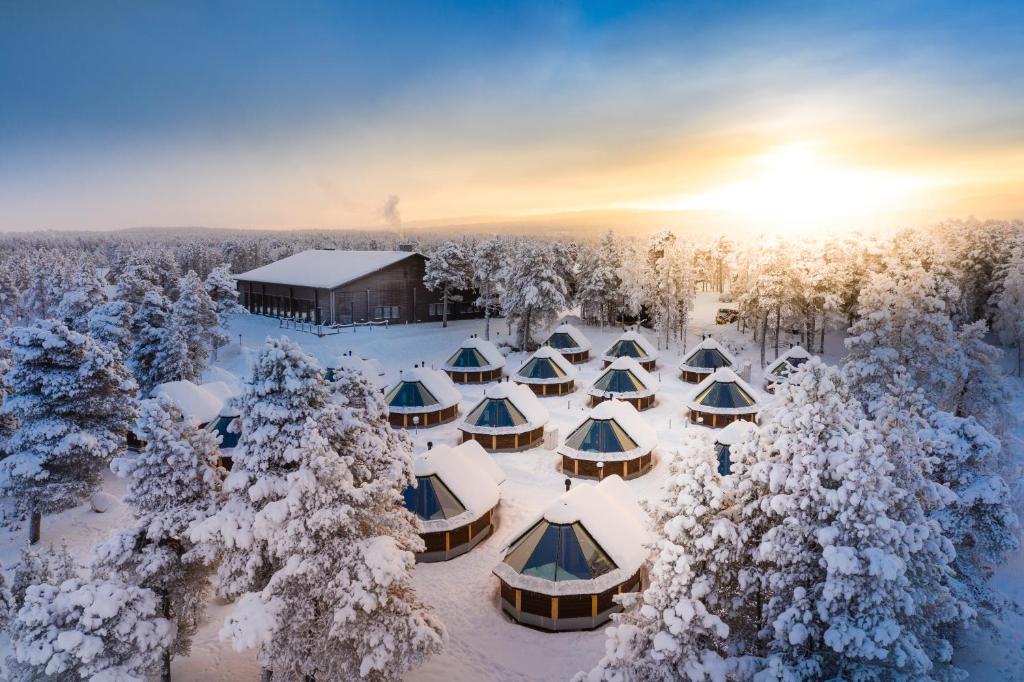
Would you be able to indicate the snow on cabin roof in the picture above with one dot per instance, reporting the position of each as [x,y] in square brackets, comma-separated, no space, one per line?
[469,473]
[650,384]
[522,399]
[796,353]
[734,432]
[200,404]
[491,355]
[723,375]
[609,513]
[709,344]
[639,339]
[324,268]
[371,369]
[582,342]
[547,354]
[437,383]
[626,416]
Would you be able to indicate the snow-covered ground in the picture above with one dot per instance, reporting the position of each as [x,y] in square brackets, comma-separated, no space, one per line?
[483,643]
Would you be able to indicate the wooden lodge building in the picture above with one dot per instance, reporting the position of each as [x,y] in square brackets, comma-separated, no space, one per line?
[328,286]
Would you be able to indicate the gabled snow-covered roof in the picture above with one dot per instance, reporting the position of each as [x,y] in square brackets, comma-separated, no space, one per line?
[200,404]
[547,354]
[702,357]
[437,384]
[609,513]
[470,474]
[626,416]
[634,337]
[721,399]
[492,357]
[580,340]
[523,402]
[324,268]
[648,382]
[793,357]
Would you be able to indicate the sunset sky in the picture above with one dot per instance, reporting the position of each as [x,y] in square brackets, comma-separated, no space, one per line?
[781,116]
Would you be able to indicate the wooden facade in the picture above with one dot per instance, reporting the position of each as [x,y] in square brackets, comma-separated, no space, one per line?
[507,442]
[549,390]
[717,421]
[695,377]
[587,468]
[640,404]
[649,365]
[394,293]
[427,419]
[475,376]
[566,612]
[577,358]
[448,544]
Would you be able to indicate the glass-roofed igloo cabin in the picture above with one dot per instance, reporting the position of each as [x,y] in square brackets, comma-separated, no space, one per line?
[725,439]
[632,344]
[722,398]
[476,361]
[562,571]
[571,343]
[708,356]
[547,373]
[625,380]
[612,440]
[509,418]
[455,497]
[423,397]
[228,428]
[783,366]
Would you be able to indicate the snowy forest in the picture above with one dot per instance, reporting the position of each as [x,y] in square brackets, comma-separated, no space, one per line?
[859,533]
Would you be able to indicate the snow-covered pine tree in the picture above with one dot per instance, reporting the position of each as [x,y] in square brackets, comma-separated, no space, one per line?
[194,314]
[904,321]
[160,353]
[1008,302]
[224,293]
[135,280]
[598,285]
[448,271]
[671,267]
[32,569]
[833,561]
[486,262]
[9,294]
[73,401]
[982,393]
[87,292]
[87,630]
[323,559]
[111,324]
[534,293]
[980,521]
[7,609]
[172,483]
[8,422]
[678,628]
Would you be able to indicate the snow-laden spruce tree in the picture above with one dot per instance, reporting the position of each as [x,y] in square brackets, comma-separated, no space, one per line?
[9,295]
[982,392]
[7,609]
[73,401]
[980,521]
[1008,302]
[833,561]
[98,630]
[160,351]
[598,284]
[172,483]
[8,421]
[671,289]
[111,323]
[486,262]
[223,291]
[534,293]
[679,627]
[448,271]
[315,540]
[87,292]
[194,314]
[134,281]
[904,322]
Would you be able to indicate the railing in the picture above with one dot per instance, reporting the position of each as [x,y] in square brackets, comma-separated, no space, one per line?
[326,329]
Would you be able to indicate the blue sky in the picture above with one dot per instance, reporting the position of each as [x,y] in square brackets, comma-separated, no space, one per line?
[309,114]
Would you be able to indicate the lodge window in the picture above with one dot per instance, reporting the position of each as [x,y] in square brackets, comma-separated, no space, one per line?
[386,312]
[437,309]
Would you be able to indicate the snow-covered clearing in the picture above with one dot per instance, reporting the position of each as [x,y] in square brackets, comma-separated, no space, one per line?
[484,644]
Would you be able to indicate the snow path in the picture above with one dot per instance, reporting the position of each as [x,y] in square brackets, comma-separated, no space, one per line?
[483,643]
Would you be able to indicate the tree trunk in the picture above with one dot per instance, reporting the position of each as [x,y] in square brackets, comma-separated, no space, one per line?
[821,345]
[266,674]
[444,308]
[778,322]
[487,312]
[165,676]
[764,335]
[1020,342]
[35,525]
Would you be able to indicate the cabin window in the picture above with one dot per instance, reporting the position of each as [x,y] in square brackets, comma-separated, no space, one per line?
[386,312]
